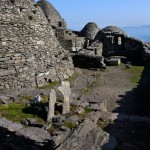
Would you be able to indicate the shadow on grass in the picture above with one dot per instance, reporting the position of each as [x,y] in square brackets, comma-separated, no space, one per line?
[38,110]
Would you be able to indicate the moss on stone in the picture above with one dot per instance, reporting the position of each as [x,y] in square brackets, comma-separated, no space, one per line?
[70,125]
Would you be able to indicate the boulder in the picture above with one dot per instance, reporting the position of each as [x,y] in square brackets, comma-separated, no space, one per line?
[114,61]
[89,136]
[36,134]
[9,125]
[7,99]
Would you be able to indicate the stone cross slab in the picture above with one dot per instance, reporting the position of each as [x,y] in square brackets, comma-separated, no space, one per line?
[51,107]
[66,92]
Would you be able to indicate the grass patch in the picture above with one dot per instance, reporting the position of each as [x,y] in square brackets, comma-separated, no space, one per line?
[50,85]
[87,110]
[26,98]
[72,78]
[31,98]
[87,89]
[15,112]
[135,74]
[103,123]
[52,130]
[70,125]
[73,108]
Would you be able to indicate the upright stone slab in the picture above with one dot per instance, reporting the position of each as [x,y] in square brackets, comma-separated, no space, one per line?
[52,101]
[66,91]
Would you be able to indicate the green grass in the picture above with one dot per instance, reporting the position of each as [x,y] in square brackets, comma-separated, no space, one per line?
[87,110]
[26,98]
[15,112]
[70,125]
[57,83]
[90,86]
[103,123]
[72,78]
[135,74]
[50,85]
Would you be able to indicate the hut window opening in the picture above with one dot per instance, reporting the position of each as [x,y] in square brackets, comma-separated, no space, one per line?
[119,41]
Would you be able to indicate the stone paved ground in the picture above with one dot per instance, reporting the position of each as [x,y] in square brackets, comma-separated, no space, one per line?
[122,97]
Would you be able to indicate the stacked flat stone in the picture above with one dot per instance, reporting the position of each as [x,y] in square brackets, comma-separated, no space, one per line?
[90,31]
[52,14]
[113,29]
[117,42]
[30,54]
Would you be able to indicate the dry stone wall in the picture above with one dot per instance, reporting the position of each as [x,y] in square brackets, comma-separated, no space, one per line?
[133,49]
[29,46]
[52,15]
[116,42]
[69,40]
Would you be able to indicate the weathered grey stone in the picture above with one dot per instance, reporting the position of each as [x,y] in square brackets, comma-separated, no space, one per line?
[79,110]
[114,61]
[116,42]
[98,106]
[7,99]
[60,136]
[52,101]
[74,119]
[66,91]
[88,136]
[36,134]
[29,47]
[52,14]
[10,125]
[89,31]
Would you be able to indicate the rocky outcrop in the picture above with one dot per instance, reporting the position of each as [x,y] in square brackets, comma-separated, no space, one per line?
[146,54]
[14,136]
[30,54]
[89,136]
[9,125]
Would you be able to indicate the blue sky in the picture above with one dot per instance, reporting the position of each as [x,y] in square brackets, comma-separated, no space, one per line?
[103,12]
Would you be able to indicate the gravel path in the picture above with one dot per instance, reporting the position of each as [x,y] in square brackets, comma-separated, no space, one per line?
[122,97]
[110,86]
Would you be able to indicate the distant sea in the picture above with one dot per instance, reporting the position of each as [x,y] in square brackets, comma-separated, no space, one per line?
[140,32]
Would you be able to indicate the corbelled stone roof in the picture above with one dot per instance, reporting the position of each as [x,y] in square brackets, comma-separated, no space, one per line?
[51,14]
[113,29]
[89,31]
[30,53]
[109,30]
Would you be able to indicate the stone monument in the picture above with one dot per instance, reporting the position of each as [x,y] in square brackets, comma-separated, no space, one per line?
[51,107]
[66,91]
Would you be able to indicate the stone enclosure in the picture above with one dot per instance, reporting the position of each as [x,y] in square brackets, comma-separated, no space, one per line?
[36,46]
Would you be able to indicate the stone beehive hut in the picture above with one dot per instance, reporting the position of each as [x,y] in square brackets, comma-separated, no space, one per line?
[52,14]
[30,54]
[108,31]
[90,31]
[113,29]
[117,42]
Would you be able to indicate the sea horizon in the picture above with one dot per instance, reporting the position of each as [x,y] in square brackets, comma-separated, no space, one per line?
[140,32]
